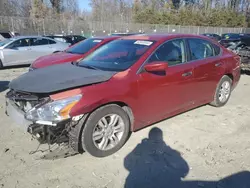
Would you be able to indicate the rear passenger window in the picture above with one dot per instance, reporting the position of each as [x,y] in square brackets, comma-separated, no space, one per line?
[200,49]
[51,41]
[40,41]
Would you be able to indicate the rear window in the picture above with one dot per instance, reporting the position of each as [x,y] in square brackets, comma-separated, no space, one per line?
[230,36]
[84,46]
[60,39]
[207,34]
[6,35]
[51,42]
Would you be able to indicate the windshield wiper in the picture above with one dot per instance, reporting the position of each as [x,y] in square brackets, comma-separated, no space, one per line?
[88,66]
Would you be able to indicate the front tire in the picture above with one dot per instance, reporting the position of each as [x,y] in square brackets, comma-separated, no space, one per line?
[106,130]
[223,92]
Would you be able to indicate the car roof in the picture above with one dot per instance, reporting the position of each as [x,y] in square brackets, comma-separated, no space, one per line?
[159,37]
[209,34]
[29,36]
[74,35]
[107,37]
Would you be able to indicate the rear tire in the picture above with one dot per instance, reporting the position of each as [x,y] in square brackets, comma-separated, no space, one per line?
[223,92]
[1,64]
[106,130]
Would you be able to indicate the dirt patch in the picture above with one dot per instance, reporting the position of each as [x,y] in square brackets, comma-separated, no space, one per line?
[205,147]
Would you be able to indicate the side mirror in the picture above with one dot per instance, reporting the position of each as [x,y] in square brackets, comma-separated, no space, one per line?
[157,67]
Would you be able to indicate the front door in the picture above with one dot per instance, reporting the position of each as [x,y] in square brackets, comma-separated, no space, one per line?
[162,95]
[17,53]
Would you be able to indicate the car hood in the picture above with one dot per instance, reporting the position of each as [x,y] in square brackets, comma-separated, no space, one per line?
[58,78]
[56,58]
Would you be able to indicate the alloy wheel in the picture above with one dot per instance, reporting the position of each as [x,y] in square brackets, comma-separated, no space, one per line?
[108,132]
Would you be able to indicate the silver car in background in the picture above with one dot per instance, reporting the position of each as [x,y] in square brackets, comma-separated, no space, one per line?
[26,49]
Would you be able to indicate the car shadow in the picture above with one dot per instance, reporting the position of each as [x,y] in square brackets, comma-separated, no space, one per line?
[4,85]
[14,67]
[154,164]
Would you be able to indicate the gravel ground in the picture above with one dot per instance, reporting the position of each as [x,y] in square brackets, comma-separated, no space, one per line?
[205,147]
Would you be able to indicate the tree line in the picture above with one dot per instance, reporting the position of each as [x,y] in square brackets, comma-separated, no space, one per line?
[39,9]
[223,13]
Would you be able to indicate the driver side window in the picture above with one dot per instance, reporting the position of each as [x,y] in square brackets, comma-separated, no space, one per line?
[19,43]
[172,52]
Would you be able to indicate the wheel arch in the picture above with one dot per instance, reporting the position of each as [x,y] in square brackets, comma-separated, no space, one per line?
[78,127]
[230,75]
[125,107]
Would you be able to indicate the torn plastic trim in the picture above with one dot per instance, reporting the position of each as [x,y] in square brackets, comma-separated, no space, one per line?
[50,123]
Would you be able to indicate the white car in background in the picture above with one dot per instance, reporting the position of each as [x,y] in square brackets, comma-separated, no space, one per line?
[26,49]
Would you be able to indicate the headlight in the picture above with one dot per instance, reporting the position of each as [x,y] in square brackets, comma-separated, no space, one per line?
[54,111]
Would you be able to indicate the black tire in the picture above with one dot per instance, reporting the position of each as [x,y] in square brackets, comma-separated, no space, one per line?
[87,142]
[216,102]
[75,133]
[1,64]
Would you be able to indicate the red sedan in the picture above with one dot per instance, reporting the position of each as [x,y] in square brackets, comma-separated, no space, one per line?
[74,53]
[122,87]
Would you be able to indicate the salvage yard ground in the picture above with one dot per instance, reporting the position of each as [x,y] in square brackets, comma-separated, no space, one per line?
[199,148]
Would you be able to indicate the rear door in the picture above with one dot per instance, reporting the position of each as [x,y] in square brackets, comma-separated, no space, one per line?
[41,47]
[17,53]
[208,68]
[163,95]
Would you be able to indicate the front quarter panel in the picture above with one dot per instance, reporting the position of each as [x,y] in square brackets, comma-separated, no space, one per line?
[120,88]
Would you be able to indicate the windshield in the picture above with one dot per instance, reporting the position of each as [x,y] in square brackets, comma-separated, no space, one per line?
[84,46]
[2,43]
[117,55]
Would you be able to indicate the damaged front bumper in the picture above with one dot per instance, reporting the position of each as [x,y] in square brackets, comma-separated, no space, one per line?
[13,111]
[44,131]
[18,104]
[17,115]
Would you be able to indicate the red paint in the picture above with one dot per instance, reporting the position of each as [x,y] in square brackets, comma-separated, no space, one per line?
[63,57]
[156,67]
[154,97]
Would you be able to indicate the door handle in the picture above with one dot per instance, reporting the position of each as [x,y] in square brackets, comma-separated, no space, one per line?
[28,49]
[218,64]
[187,74]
